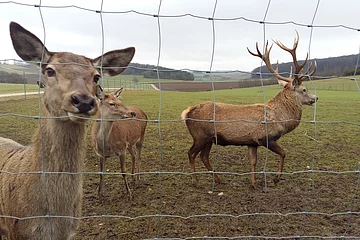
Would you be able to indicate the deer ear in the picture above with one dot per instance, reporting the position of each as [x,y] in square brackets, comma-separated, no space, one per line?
[27,45]
[117,92]
[114,62]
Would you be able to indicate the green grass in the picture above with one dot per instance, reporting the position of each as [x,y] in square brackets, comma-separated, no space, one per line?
[126,81]
[6,88]
[336,148]
[338,84]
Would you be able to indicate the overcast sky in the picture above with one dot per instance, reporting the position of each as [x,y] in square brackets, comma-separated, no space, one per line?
[187,42]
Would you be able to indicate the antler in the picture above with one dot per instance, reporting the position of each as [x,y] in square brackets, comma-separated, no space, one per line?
[298,78]
[266,59]
[311,70]
[298,67]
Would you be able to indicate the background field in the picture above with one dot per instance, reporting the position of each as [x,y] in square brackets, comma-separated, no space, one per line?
[167,205]
[126,81]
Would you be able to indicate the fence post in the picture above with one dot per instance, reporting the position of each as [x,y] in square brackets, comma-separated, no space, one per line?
[24,85]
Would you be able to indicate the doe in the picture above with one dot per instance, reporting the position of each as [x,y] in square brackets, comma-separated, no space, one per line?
[112,138]
[47,205]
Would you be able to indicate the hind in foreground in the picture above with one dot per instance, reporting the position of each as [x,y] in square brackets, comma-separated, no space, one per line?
[44,204]
[244,125]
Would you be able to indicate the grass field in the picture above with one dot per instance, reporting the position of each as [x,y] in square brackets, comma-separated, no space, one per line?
[168,205]
[126,81]
[6,88]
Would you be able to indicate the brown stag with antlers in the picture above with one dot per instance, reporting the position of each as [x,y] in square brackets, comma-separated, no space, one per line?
[244,124]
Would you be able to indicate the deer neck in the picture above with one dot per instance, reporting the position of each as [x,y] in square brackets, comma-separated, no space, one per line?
[60,145]
[286,105]
[105,125]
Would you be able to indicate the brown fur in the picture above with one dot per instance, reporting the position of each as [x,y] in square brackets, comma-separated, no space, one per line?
[113,138]
[283,114]
[243,125]
[251,125]
[58,146]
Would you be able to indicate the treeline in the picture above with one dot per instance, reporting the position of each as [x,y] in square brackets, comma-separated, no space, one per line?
[326,67]
[150,71]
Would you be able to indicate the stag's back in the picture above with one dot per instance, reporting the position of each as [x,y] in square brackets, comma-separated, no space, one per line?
[235,124]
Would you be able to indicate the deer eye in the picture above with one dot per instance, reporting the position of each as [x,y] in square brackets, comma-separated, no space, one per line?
[50,72]
[304,90]
[111,103]
[97,78]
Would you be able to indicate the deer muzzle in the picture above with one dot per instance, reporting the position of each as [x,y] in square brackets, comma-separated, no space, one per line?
[313,100]
[83,103]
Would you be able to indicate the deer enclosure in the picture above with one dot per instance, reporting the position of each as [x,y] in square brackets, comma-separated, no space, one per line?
[318,188]
[225,153]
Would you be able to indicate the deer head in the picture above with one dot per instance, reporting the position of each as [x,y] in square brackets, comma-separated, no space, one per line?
[294,83]
[113,107]
[70,80]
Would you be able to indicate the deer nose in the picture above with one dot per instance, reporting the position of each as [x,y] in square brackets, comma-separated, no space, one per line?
[83,103]
[133,114]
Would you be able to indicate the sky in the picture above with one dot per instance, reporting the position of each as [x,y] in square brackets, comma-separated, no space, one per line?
[184,37]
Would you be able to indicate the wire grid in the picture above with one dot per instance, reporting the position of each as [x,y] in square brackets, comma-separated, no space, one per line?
[159,121]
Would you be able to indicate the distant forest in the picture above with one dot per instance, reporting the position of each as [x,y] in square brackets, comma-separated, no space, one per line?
[146,70]
[326,67]
[149,71]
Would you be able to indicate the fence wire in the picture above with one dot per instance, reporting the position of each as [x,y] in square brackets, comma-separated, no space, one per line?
[160,216]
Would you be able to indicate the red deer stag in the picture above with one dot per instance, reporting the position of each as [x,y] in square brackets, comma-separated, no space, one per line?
[112,138]
[245,124]
[47,205]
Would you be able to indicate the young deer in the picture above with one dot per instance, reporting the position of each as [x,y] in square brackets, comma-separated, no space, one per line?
[244,124]
[46,205]
[112,138]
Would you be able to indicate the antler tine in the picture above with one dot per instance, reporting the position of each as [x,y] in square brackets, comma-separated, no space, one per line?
[311,70]
[266,58]
[310,73]
[292,51]
[258,52]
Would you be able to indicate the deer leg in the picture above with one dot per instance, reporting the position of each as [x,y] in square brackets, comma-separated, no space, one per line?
[204,156]
[253,160]
[4,233]
[122,166]
[138,149]
[275,147]
[133,163]
[193,152]
[102,161]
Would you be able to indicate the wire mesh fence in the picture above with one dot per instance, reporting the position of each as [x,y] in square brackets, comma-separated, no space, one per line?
[317,197]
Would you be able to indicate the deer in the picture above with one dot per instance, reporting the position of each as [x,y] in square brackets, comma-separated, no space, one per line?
[245,125]
[112,138]
[41,184]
